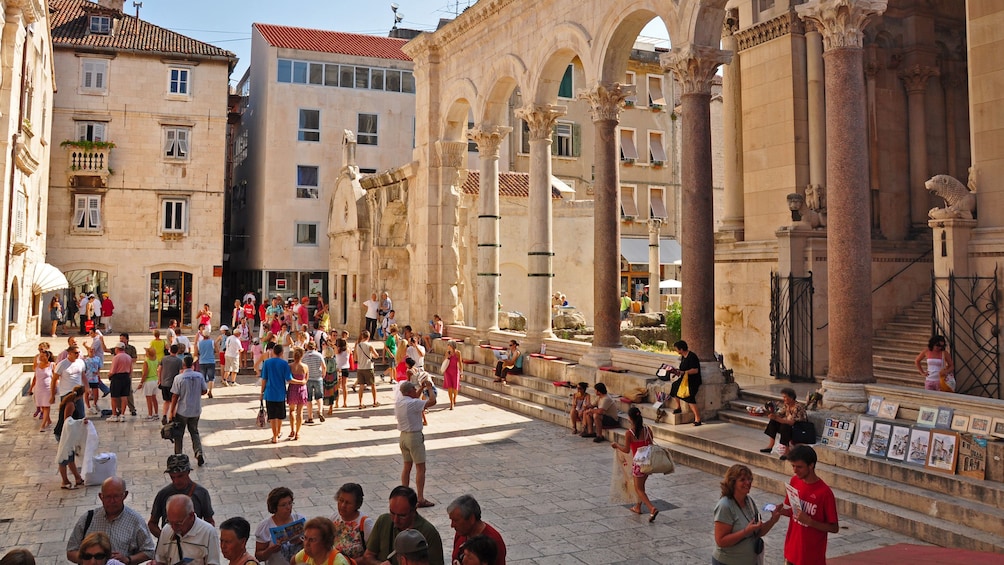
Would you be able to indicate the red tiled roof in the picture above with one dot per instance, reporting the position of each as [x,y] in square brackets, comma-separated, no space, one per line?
[70,28]
[333,42]
[516,185]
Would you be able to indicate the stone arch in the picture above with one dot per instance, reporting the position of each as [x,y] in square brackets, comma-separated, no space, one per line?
[506,75]
[462,95]
[698,22]
[622,24]
[567,41]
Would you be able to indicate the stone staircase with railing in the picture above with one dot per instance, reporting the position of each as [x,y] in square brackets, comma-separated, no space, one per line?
[946,510]
[895,346]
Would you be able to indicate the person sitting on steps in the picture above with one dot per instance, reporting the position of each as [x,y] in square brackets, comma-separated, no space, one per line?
[512,364]
[604,415]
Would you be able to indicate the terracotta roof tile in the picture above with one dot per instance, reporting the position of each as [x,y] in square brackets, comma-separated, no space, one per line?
[71,28]
[512,184]
[333,42]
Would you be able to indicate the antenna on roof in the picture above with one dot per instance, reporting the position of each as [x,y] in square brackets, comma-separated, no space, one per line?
[397,17]
[137,5]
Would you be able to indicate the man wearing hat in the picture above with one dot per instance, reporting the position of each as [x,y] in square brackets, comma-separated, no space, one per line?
[410,548]
[120,377]
[382,544]
[180,470]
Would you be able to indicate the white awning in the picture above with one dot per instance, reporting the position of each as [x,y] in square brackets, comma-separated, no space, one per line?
[635,250]
[47,279]
[670,283]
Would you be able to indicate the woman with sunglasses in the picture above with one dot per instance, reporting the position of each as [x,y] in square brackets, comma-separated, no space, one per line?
[96,549]
[939,363]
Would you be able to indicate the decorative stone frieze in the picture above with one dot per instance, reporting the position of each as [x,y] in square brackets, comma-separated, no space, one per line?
[606,100]
[695,66]
[540,119]
[764,31]
[488,138]
[450,153]
[915,77]
[841,22]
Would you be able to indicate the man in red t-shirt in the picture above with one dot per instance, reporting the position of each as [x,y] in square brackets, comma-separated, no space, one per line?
[249,312]
[465,518]
[816,516]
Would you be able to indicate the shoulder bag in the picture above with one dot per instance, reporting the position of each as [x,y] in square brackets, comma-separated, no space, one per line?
[654,458]
[803,432]
[261,414]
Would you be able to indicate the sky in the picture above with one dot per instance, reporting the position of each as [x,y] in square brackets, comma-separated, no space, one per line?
[227,23]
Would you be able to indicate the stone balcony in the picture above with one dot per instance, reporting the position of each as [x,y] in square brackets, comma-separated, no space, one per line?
[87,166]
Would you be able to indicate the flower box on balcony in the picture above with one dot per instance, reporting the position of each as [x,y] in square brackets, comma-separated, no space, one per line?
[87,162]
[627,162]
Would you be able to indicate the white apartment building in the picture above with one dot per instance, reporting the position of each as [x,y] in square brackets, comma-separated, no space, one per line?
[303,91]
[137,186]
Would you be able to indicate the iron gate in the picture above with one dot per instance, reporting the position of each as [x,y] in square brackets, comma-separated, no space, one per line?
[966,313]
[791,329]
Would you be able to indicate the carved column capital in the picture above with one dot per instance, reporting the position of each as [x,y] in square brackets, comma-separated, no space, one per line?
[606,100]
[450,153]
[488,138]
[540,119]
[841,22]
[915,77]
[654,225]
[694,66]
[730,26]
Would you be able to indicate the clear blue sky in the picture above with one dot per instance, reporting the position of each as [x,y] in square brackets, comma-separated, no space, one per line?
[227,23]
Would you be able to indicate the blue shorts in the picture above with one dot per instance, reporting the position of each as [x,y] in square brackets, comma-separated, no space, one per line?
[208,371]
[315,390]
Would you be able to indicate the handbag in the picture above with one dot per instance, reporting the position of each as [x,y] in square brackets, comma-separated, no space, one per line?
[659,460]
[445,365]
[684,390]
[261,420]
[662,373]
[946,382]
[803,432]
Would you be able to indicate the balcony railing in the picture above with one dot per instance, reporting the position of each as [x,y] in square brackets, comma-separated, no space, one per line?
[87,163]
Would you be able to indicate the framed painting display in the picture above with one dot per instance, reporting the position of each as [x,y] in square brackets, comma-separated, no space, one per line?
[943,451]
[919,441]
[837,433]
[888,409]
[863,439]
[972,457]
[879,446]
[874,403]
[997,428]
[979,425]
[899,442]
[960,423]
[944,421]
[927,416]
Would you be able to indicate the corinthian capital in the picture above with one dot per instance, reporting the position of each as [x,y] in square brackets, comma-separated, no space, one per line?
[540,119]
[695,66]
[915,77]
[451,153]
[607,99]
[840,22]
[488,138]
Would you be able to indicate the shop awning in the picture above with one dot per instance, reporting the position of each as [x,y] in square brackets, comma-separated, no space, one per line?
[635,250]
[47,279]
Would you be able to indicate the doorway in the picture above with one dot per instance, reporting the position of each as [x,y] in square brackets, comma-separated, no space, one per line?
[170,298]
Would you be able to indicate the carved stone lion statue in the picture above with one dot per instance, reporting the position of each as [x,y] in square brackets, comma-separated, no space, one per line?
[801,215]
[960,202]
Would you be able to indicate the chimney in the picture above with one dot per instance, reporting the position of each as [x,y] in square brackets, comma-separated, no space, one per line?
[112,4]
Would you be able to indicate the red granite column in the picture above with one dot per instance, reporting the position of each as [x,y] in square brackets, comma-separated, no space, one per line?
[605,103]
[848,246]
[694,66]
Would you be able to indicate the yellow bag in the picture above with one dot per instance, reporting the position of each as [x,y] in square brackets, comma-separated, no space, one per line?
[684,390]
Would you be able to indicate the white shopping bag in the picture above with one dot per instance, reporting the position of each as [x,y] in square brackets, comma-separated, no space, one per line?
[103,465]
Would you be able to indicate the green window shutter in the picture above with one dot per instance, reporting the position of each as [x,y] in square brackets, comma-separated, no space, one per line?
[565,90]
[576,140]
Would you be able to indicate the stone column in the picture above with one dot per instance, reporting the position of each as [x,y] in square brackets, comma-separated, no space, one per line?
[444,237]
[605,103]
[915,80]
[848,248]
[540,118]
[488,138]
[817,110]
[694,66]
[654,265]
[733,223]
[952,81]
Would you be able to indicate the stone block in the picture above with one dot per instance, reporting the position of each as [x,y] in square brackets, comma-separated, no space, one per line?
[568,321]
[630,341]
[512,321]
[647,320]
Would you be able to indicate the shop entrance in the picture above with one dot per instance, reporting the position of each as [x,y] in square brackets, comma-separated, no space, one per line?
[170,298]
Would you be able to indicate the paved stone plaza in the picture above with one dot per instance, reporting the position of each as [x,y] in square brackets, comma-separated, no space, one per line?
[546,490]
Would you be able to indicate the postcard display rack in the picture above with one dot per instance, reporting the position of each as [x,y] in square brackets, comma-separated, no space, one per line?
[939,440]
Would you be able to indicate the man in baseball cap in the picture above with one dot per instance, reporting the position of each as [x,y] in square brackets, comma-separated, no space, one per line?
[180,469]
[410,548]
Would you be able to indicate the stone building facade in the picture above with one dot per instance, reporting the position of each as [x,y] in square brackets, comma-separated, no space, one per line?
[26,76]
[136,189]
[304,89]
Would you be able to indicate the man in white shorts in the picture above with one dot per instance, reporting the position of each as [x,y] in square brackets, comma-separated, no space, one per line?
[232,349]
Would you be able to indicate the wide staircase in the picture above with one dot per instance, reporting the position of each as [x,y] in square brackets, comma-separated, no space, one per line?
[896,345]
[945,510]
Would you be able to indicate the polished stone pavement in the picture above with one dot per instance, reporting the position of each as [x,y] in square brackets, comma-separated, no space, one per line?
[545,490]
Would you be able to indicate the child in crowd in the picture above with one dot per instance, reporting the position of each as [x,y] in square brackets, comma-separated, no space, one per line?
[92,370]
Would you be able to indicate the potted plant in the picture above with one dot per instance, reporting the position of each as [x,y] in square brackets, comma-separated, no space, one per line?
[87,145]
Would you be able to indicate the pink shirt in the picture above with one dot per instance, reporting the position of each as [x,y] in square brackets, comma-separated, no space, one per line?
[121,363]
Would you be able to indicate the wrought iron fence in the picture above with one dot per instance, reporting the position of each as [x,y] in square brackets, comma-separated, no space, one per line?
[791,329]
[966,312]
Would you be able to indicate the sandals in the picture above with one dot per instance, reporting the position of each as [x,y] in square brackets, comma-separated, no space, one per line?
[426,504]
[68,486]
[767,450]
[651,517]
[80,483]
[321,416]
[635,509]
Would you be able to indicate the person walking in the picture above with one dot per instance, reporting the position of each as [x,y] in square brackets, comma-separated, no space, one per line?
[205,347]
[55,314]
[275,374]
[690,369]
[451,376]
[107,310]
[232,349]
[120,377]
[815,514]
[186,407]
[315,381]
[639,435]
[408,410]
[365,353]
[296,393]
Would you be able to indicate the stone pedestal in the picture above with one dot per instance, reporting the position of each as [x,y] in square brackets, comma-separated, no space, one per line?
[951,246]
[844,397]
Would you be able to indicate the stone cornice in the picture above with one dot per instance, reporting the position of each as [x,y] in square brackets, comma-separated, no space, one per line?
[607,99]
[695,66]
[470,19]
[841,22]
[540,119]
[764,31]
[488,138]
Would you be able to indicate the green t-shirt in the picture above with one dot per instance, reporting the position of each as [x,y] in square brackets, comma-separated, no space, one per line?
[381,539]
[728,512]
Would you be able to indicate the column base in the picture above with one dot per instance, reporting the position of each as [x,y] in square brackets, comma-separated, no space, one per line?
[844,397]
[597,357]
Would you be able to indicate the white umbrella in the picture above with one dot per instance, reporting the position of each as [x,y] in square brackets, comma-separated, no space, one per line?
[670,283]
